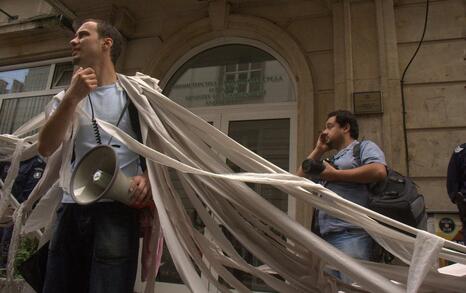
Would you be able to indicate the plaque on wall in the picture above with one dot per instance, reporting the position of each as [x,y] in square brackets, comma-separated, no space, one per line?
[367,102]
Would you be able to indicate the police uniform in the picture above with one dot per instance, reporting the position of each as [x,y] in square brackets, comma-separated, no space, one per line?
[456,181]
[30,172]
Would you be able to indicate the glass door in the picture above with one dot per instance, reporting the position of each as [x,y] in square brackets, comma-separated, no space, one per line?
[168,280]
[270,138]
[246,93]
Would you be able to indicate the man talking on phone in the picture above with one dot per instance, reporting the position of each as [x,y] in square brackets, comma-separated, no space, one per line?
[94,248]
[347,176]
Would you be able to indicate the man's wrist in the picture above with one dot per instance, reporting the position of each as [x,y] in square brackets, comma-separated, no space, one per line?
[331,174]
[315,154]
[70,101]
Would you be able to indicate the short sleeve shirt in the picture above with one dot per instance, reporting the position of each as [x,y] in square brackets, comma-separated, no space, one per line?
[108,103]
[355,192]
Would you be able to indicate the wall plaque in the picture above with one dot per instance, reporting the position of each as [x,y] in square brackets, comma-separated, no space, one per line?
[367,102]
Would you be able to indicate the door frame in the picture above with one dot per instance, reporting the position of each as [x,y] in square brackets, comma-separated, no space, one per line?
[224,114]
[220,116]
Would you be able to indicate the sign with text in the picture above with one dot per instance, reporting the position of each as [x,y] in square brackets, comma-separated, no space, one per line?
[367,102]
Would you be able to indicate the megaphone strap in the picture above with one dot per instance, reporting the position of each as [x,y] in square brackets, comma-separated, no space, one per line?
[94,122]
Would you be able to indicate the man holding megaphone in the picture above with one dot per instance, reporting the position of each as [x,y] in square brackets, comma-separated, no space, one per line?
[95,246]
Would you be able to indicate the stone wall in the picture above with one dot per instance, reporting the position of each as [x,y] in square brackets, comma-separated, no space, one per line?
[24,9]
[434,91]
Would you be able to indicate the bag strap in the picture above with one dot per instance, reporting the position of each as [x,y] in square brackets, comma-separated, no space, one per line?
[357,157]
[120,117]
[357,153]
[136,126]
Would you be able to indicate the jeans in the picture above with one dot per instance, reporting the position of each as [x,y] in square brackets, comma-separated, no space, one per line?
[353,242]
[94,249]
[5,238]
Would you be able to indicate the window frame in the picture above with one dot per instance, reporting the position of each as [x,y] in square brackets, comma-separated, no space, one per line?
[247,82]
[48,91]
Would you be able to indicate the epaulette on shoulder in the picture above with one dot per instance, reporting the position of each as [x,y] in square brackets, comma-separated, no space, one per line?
[460,148]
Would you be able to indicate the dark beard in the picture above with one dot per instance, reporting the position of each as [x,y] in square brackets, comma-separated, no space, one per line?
[335,143]
[330,144]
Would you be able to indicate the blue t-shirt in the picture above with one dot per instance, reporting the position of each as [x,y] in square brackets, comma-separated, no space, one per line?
[355,192]
[108,102]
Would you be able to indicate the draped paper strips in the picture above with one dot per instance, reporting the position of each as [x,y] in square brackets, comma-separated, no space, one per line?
[176,139]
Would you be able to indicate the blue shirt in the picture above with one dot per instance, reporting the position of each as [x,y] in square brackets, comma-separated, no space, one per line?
[356,192]
[108,102]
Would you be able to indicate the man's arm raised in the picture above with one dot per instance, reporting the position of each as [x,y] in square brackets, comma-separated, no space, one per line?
[52,134]
[320,148]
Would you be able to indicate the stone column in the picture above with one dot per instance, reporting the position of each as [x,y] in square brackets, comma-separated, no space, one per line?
[392,133]
[343,55]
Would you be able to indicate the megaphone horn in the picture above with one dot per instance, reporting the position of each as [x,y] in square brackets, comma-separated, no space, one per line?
[98,176]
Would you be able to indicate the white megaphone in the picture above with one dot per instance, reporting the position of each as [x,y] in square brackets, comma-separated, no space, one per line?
[98,176]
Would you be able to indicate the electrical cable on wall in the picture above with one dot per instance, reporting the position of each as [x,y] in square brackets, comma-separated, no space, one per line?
[403,105]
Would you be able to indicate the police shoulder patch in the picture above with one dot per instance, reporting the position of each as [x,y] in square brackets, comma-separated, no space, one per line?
[37,173]
[459,148]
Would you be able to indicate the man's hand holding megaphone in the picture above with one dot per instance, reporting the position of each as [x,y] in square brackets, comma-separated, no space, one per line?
[141,195]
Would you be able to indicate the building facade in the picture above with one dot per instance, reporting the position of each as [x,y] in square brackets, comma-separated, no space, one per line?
[267,73]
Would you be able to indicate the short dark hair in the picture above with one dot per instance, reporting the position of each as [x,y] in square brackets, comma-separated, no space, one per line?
[344,117]
[106,30]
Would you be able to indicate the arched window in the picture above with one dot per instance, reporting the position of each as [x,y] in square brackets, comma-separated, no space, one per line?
[230,75]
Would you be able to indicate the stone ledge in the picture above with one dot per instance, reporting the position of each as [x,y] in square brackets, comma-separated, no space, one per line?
[48,22]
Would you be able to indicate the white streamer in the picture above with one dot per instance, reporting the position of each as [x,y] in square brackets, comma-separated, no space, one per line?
[175,138]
